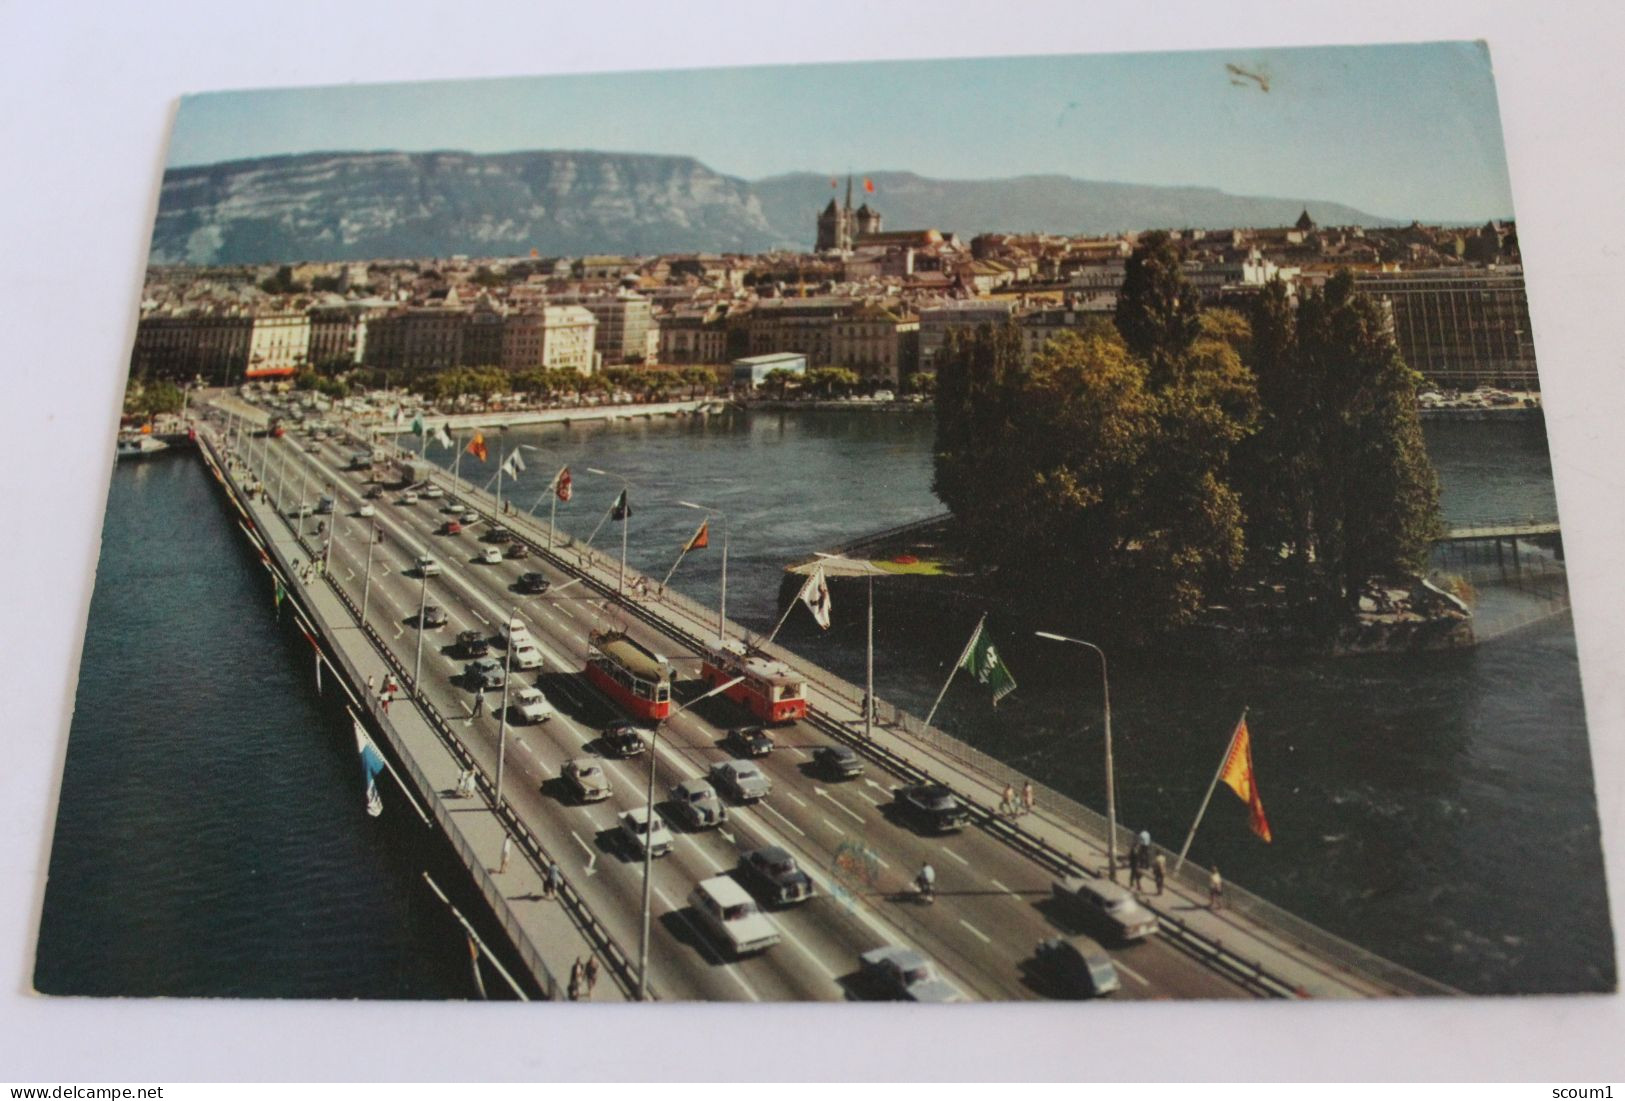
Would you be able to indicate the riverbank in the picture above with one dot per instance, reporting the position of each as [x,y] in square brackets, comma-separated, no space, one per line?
[570,414]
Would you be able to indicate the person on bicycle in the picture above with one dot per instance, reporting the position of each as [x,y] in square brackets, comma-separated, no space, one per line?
[926,881]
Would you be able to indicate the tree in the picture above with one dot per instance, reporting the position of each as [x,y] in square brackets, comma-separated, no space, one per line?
[921,382]
[1157,310]
[282,282]
[781,378]
[147,398]
[828,380]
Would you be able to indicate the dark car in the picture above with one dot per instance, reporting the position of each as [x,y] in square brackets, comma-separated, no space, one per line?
[776,875]
[498,534]
[518,550]
[933,807]
[622,739]
[484,673]
[838,762]
[1075,967]
[1104,906]
[433,615]
[749,741]
[374,493]
[534,583]
[472,644]
[903,974]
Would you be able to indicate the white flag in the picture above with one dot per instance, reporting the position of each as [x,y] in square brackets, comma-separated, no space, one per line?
[815,594]
[514,464]
[443,438]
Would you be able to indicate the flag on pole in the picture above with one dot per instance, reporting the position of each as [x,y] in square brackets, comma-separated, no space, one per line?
[702,537]
[280,593]
[514,464]
[371,765]
[443,438]
[983,662]
[868,185]
[1237,774]
[815,594]
[400,415]
[622,508]
[561,483]
[476,446]
[417,424]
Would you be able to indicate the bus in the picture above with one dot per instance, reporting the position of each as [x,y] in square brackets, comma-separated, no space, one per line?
[769,690]
[631,674]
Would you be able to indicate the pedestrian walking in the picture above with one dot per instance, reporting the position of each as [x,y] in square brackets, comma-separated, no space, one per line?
[370,680]
[1136,867]
[578,971]
[591,972]
[479,703]
[1028,799]
[550,882]
[383,701]
[1159,870]
[1215,890]
[1007,801]
[507,851]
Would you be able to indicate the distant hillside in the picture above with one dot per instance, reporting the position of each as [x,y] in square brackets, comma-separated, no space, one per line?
[359,206]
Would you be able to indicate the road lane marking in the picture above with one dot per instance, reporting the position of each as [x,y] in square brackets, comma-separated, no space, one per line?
[783,819]
[842,807]
[957,857]
[699,935]
[984,937]
[592,853]
[1131,973]
[1003,888]
[796,799]
[832,825]
[871,800]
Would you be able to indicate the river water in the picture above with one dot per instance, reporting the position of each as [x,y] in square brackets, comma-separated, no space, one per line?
[1392,784]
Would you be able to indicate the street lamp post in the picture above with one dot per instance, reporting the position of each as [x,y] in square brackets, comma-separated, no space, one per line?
[1111,785]
[502,720]
[366,584]
[423,604]
[648,826]
[869,572]
[722,610]
[626,522]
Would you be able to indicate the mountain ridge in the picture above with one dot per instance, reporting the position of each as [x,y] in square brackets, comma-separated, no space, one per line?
[389,204]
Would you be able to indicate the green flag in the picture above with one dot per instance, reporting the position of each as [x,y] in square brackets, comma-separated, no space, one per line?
[279,593]
[983,662]
[417,425]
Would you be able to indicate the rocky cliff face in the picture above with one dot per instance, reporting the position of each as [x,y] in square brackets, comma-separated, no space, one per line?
[361,206]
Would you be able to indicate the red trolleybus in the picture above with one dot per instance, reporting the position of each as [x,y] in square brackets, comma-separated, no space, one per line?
[635,677]
[769,691]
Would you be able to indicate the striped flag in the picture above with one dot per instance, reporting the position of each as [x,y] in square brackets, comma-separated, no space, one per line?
[372,763]
[1237,774]
[514,464]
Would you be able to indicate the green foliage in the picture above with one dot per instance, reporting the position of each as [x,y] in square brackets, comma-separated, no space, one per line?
[282,282]
[1157,310]
[826,381]
[920,382]
[148,398]
[780,379]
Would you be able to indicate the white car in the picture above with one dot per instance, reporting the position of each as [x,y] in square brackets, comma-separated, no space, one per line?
[426,566]
[491,556]
[515,633]
[366,509]
[635,828]
[409,498]
[731,917]
[531,706]
[434,493]
[527,656]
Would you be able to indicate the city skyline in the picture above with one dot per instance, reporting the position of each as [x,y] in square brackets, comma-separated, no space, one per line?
[1401,131]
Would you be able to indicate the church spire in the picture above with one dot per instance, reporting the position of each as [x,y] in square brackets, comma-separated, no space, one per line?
[849,191]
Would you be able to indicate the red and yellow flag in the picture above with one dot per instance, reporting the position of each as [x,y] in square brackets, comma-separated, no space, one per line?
[1237,773]
[476,446]
[702,537]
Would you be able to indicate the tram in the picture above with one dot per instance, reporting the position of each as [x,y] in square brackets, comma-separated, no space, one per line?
[635,677]
[768,691]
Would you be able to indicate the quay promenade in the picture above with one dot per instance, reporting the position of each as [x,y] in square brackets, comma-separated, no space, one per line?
[980,934]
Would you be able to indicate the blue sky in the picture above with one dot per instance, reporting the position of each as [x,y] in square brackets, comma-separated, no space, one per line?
[1405,131]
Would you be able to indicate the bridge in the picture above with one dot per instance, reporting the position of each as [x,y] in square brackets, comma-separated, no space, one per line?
[994,879]
[1502,529]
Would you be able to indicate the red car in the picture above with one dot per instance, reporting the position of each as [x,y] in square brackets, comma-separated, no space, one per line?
[451,527]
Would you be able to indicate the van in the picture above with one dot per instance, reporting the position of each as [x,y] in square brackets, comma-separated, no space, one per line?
[730,915]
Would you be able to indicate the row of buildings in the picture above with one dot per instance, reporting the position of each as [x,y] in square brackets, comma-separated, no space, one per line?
[878,303]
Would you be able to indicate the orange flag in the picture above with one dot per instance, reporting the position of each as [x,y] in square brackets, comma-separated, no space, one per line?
[1237,774]
[476,446]
[869,185]
[702,538]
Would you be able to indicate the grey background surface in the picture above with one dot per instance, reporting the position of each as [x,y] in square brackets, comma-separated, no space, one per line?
[90,95]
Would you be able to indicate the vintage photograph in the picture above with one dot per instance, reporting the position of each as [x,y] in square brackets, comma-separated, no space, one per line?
[1046,528]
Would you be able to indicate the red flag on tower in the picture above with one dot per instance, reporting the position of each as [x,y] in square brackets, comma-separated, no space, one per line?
[868,185]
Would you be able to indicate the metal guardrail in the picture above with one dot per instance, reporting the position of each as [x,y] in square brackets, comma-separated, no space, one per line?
[1297,932]
[619,964]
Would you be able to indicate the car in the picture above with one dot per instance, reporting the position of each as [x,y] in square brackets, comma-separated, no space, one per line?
[723,909]
[517,549]
[326,505]
[366,510]
[749,741]
[884,395]
[933,807]
[433,493]
[1104,906]
[472,644]
[514,633]
[776,875]
[1075,967]
[527,656]
[904,974]
[409,498]
[433,616]
[622,739]
[838,762]
[744,781]
[588,778]
[470,517]
[485,673]
[426,566]
[529,705]
[696,805]
[498,534]
[374,493]
[533,583]
[491,556]
[643,835]
[302,509]
[313,447]
[451,527]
